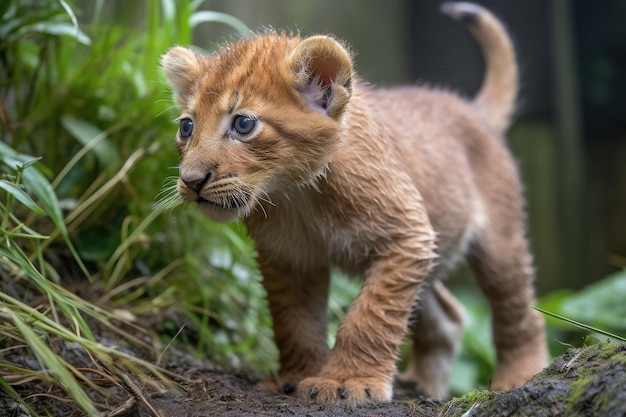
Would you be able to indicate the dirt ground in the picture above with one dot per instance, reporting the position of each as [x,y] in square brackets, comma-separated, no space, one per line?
[590,381]
[233,394]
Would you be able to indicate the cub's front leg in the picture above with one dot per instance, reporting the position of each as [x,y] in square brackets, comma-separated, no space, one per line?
[361,365]
[298,305]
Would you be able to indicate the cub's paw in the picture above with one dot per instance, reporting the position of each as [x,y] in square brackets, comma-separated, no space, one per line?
[284,384]
[350,391]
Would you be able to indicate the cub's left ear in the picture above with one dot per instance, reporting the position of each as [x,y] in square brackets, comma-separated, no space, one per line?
[322,72]
[182,67]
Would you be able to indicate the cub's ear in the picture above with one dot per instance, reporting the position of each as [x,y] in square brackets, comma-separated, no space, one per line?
[322,72]
[182,67]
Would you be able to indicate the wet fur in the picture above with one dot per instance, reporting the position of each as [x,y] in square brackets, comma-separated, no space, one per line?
[395,184]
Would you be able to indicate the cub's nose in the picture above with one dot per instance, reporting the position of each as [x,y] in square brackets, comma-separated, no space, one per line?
[196,180]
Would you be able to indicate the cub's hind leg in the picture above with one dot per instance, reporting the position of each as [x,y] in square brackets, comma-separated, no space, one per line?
[436,333]
[502,263]
[298,305]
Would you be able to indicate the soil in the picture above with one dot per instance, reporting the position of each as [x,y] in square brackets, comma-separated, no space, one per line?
[590,381]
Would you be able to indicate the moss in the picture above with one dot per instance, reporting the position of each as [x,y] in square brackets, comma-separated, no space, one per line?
[604,400]
[577,389]
[608,350]
[592,366]
[582,382]
[458,406]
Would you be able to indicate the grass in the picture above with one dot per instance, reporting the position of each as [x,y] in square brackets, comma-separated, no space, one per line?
[86,141]
[582,326]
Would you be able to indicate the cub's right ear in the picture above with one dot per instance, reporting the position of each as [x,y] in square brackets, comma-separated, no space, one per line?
[322,72]
[182,67]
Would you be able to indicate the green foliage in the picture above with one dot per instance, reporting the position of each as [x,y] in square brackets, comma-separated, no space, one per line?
[89,103]
[476,361]
[14,260]
[600,304]
[597,310]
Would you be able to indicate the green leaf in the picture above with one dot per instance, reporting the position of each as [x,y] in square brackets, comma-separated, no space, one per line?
[61,29]
[92,137]
[15,23]
[168,9]
[205,16]
[70,13]
[601,303]
[21,196]
[29,163]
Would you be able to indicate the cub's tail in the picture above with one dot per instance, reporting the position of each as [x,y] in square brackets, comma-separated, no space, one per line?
[497,97]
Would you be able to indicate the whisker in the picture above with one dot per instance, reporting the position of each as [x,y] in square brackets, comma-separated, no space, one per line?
[166,110]
[267,198]
[168,197]
[263,196]
[262,209]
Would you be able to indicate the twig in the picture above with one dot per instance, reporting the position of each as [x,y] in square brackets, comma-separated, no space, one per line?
[56,397]
[130,404]
[130,386]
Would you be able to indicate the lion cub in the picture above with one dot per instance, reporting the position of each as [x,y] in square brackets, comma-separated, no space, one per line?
[396,184]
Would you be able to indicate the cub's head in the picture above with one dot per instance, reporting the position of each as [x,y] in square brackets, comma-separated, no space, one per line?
[259,116]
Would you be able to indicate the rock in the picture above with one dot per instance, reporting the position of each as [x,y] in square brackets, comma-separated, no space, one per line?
[589,381]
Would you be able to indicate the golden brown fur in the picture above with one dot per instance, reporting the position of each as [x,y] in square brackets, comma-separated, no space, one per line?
[395,184]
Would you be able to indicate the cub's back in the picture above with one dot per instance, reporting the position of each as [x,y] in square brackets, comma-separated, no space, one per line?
[443,145]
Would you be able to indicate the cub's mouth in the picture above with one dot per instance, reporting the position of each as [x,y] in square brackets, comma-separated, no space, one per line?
[230,202]
[221,200]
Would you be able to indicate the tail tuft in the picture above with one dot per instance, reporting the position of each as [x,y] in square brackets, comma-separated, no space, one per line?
[465,13]
[497,98]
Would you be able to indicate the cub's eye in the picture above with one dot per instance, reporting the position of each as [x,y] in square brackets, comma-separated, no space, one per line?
[243,124]
[185,128]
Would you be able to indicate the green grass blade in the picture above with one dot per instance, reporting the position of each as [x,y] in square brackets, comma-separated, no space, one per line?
[19,258]
[61,29]
[4,385]
[580,325]
[35,182]
[110,272]
[168,10]
[52,363]
[205,16]
[70,13]
[93,139]
[48,326]
[21,196]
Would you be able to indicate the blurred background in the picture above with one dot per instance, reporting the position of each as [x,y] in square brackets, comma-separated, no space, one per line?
[80,89]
